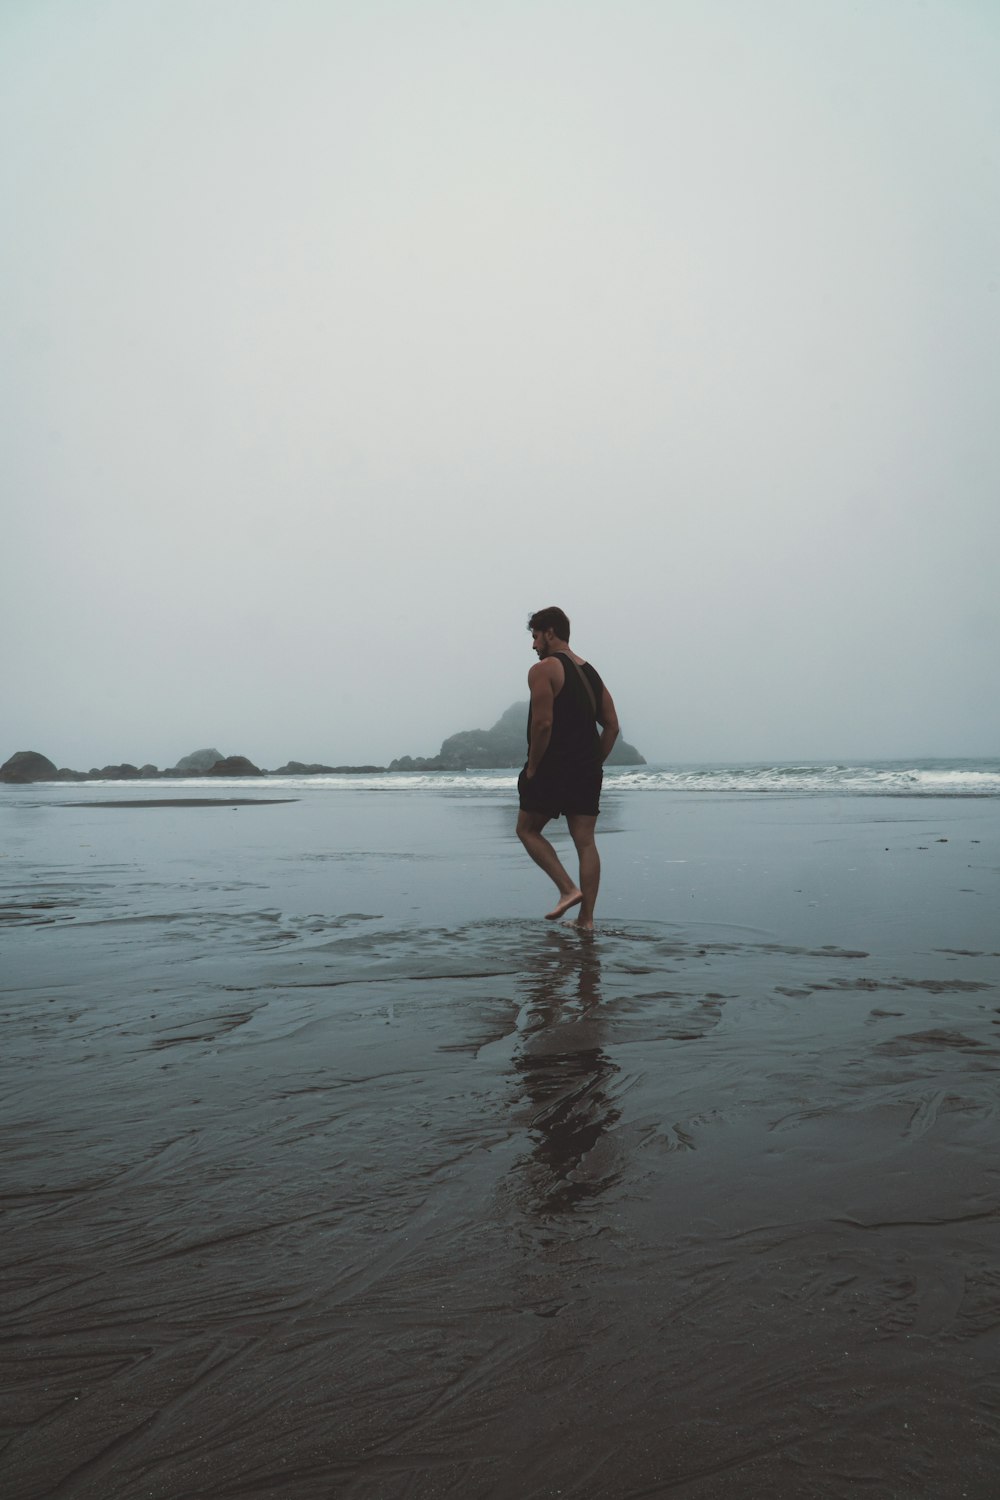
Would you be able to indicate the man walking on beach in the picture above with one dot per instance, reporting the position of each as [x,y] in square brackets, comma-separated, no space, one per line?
[566,754]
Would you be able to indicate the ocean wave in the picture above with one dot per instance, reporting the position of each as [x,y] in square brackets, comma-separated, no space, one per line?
[917,778]
[883,778]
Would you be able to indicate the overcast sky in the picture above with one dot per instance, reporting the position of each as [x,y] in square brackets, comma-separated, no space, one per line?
[340,336]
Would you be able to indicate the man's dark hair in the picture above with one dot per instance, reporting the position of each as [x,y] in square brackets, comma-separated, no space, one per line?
[551,619]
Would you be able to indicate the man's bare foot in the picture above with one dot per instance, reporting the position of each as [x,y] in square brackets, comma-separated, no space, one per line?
[563,905]
[581,925]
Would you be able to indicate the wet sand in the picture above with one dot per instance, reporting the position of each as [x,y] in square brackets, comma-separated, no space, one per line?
[330,1169]
[136,804]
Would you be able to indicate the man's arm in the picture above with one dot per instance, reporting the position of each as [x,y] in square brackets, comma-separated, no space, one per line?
[542,699]
[608,720]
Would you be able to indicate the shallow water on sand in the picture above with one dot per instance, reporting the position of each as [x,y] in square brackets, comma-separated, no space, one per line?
[329,1170]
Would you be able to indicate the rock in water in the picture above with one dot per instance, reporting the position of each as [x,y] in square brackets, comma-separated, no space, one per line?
[505,745]
[234,765]
[198,760]
[300,768]
[28,765]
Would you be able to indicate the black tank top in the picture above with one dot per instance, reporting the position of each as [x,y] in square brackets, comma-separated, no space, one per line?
[575,739]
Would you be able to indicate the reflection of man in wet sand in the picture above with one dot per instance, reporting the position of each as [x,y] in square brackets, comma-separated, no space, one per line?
[569,1084]
[565,755]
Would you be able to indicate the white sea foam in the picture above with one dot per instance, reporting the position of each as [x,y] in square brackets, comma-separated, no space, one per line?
[882,778]
[918,778]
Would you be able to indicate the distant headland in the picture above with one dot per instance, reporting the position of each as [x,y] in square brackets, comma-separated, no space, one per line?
[502,747]
[499,748]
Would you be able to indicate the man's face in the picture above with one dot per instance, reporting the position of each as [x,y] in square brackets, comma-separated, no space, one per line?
[541,643]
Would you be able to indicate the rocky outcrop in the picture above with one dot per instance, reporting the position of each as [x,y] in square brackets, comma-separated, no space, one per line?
[234,765]
[299,768]
[624,754]
[476,749]
[196,763]
[505,745]
[26,766]
[498,748]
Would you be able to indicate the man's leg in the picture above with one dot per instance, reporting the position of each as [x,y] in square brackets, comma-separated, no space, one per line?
[581,828]
[529,831]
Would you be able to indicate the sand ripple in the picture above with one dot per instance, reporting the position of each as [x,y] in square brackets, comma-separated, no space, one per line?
[301,1204]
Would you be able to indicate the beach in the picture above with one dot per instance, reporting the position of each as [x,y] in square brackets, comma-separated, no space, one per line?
[331,1169]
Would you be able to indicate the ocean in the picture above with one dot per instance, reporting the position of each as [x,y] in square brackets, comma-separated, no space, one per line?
[888,778]
[331,1168]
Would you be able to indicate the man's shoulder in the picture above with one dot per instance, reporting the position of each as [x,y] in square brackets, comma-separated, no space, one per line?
[549,670]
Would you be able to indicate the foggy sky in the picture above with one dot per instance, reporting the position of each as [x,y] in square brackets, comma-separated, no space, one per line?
[340,336]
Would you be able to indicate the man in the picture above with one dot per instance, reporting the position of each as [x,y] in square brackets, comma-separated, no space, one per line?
[565,755]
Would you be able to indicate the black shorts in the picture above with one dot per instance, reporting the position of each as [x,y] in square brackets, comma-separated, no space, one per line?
[555,793]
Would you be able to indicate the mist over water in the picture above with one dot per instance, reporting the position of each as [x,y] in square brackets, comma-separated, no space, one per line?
[339,339]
